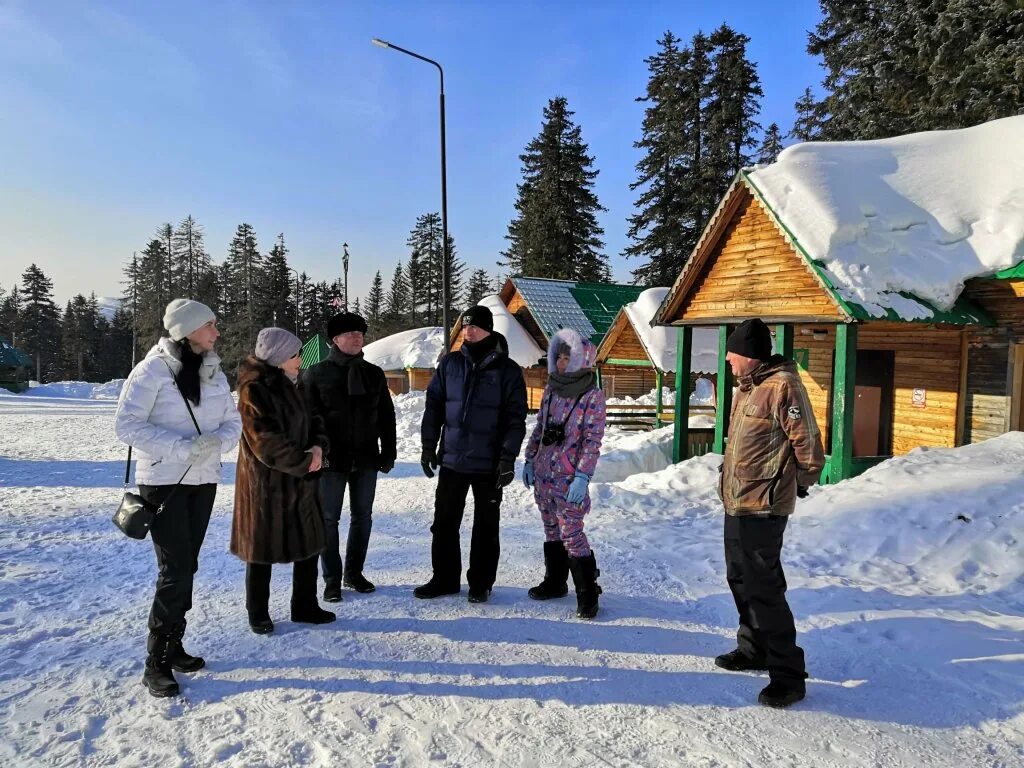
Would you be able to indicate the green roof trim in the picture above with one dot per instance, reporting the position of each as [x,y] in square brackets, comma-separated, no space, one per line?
[1010,273]
[601,302]
[314,351]
[963,311]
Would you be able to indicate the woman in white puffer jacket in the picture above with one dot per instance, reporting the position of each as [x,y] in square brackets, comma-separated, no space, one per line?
[153,418]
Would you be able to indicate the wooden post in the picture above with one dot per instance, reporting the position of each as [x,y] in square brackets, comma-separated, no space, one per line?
[784,340]
[681,413]
[723,404]
[844,380]
[657,398]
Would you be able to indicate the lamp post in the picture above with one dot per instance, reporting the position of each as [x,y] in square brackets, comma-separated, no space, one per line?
[446,289]
[344,269]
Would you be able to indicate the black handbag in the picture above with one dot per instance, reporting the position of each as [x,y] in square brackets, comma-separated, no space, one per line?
[135,515]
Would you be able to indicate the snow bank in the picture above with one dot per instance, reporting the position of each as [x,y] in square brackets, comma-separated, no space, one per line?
[78,390]
[703,395]
[522,348]
[627,453]
[660,340]
[418,348]
[920,213]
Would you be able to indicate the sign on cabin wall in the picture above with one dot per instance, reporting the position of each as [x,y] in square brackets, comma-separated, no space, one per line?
[919,399]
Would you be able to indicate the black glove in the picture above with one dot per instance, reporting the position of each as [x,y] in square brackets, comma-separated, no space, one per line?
[428,460]
[801,491]
[506,472]
[386,466]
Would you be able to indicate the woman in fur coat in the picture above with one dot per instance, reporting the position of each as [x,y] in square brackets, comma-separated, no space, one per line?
[561,457]
[277,502]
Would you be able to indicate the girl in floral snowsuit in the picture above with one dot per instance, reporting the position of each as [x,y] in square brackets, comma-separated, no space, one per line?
[560,460]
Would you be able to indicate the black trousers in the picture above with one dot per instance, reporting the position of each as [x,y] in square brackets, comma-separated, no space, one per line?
[177,533]
[362,485]
[753,546]
[449,507]
[257,586]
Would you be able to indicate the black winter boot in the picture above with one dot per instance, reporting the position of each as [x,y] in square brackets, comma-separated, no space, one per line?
[584,576]
[181,660]
[332,591]
[305,608]
[435,588]
[556,573]
[781,694]
[158,677]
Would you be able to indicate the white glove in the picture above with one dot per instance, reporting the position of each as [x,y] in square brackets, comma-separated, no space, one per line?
[203,447]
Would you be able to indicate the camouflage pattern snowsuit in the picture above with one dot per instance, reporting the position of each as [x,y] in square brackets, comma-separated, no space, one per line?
[556,465]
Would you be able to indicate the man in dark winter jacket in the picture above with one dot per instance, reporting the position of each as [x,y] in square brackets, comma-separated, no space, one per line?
[352,397]
[774,453]
[476,407]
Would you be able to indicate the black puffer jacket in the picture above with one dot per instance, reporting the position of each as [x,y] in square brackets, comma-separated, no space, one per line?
[481,407]
[360,427]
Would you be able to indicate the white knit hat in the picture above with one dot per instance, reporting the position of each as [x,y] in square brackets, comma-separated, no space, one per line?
[184,316]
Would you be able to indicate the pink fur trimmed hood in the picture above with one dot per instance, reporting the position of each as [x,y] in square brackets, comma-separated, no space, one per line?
[581,351]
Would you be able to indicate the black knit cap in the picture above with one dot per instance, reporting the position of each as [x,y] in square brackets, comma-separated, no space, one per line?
[751,339]
[479,316]
[345,322]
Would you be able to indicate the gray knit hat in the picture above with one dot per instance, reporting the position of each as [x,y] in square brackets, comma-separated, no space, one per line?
[184,316]
[276,345]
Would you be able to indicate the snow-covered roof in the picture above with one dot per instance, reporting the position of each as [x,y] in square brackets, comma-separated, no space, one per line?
[660,340]
[418,348]
[521,346]
[917,214]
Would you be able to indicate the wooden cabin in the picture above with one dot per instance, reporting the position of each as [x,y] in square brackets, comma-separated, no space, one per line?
[421,347]
[541,307]
[649,353]
[880,386]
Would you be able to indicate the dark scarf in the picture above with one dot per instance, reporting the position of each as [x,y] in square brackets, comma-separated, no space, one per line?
[572,385]
[187,378]
[356,370]
[480,349]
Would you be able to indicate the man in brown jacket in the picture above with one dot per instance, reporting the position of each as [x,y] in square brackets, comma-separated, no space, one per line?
[774,453]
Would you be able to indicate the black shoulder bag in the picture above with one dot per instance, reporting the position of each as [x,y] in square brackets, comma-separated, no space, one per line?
[135,515]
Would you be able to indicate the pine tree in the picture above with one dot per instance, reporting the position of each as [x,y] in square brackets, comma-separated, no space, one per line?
[115,356]
[810,117]
[80,339]
[39,323]
[192,262]
[555,233]
[771,145]
[423,273]
[10,311]
[397,303]
[246,309]
[278,286]
[375,305]
[734,90]
[479,285]
[897,67]
[152,286]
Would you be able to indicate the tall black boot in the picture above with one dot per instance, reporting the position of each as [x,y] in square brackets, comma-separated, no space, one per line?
[182,660]
[305,608]
[556,573]
[257,597]
[158,677]
[584,576]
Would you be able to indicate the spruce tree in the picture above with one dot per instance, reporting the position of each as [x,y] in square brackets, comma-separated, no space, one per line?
[115,355]
[555,233]
[810,116]
[10,310]
[734,91]
[245,301]
[152,286]
[278,286]
[397,302]
[192,264]
[80,339]
[423,273]
[39,324]
[375,305]
[771,145]
[479,285]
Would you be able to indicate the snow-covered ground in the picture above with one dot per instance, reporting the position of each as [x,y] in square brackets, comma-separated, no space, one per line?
[906,584]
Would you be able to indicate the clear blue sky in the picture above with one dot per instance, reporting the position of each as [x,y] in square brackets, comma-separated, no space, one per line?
[118,116]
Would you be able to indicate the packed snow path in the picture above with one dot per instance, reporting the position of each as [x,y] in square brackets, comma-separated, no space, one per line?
[911,619]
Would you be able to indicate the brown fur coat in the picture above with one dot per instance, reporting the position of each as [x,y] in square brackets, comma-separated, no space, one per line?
[277,515]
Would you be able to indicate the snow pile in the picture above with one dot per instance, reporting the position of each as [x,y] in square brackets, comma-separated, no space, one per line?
[418,348]
[627,453]
[660,340]
[920,213]
[522,348]
[78,390]
[703,395]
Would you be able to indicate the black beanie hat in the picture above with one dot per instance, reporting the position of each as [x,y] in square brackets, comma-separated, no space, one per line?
[345,322]
[751,339]
[479,316]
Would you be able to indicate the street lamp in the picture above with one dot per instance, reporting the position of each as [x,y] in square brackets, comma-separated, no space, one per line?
[446,288]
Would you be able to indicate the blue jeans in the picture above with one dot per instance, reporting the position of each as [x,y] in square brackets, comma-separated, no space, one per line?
[363,486]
